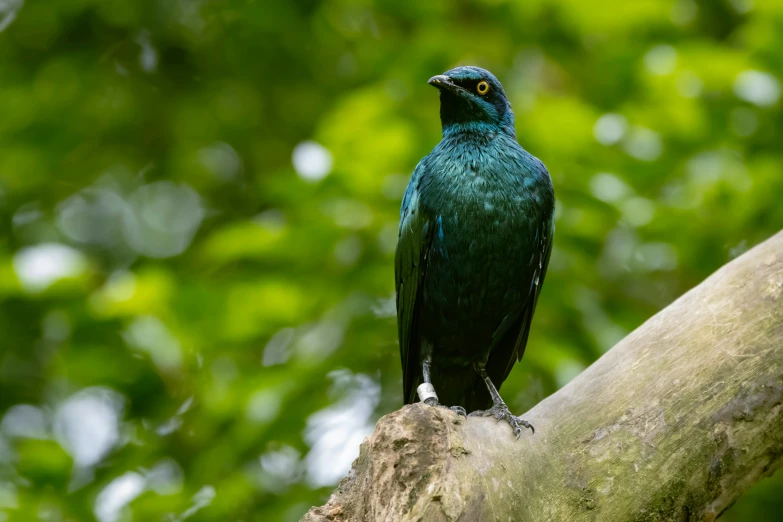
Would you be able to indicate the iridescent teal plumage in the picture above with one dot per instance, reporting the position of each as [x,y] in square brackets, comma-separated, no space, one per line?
[476,229]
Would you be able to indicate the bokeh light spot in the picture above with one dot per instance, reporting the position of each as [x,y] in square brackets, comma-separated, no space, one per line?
[87,424]
[312,161]
[643,144]
[610,128]
[757,87]
[661,59]
[608,187]
[39,266]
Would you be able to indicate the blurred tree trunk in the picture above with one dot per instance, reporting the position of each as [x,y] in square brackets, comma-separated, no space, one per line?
[673,423]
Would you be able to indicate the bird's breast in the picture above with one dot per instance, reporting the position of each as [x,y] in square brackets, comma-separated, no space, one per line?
[486,213]
[479,260]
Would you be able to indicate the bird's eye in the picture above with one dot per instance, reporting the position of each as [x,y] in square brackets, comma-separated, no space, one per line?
[482,88]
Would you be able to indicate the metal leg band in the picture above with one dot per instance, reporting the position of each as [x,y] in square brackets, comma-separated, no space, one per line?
[426,391]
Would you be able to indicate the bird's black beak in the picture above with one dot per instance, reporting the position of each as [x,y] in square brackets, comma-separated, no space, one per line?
[443,82]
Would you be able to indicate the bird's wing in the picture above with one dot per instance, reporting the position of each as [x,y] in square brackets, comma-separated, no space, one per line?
[409,271]
[510,338]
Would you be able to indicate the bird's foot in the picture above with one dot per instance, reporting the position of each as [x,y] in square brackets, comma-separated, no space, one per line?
[501,412]
[459,410]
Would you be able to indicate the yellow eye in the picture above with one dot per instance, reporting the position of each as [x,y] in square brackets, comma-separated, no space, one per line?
[482,88]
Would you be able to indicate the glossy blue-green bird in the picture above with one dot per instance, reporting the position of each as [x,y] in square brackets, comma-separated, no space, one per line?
[475,235]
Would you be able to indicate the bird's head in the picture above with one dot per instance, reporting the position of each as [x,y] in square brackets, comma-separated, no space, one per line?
[472,99]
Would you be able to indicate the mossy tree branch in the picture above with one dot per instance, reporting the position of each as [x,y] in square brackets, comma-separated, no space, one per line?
[673,423]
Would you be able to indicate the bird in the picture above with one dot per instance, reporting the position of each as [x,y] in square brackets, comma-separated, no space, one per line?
[475,237]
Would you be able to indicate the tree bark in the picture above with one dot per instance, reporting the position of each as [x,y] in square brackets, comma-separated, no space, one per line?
[673,423]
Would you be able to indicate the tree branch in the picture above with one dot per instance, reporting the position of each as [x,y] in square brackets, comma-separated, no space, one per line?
[673,423]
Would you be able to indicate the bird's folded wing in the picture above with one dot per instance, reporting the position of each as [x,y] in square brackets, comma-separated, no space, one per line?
[517,322]
[409,270]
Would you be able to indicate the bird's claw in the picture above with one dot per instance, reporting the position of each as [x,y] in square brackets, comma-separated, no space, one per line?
[501,412]
[459,410]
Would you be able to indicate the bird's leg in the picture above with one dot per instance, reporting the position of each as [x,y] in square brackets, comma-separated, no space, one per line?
[426,390]
[499,410]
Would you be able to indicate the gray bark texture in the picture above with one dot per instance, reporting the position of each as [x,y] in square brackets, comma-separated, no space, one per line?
[672,424]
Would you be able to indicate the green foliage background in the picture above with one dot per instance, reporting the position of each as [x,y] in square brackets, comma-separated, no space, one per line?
[176,302]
